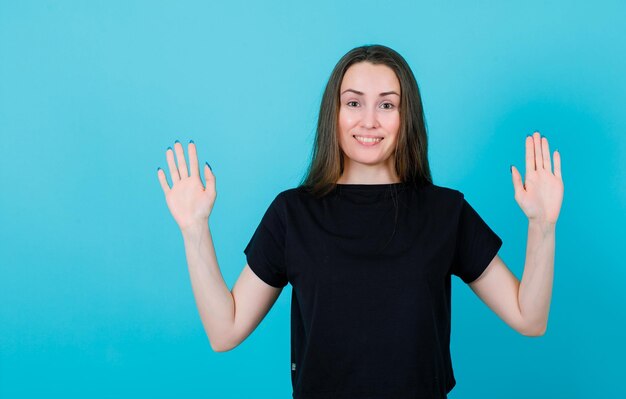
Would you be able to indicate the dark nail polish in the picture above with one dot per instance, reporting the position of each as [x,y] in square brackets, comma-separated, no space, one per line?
[511,168]
[191,141]
[169,148]
[176,142]
[207,164]
[158,168]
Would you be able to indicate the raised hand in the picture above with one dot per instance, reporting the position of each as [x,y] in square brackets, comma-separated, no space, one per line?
[189,202]
[541,196]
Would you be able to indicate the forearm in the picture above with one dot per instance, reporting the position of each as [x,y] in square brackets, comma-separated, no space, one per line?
[535,290]
[213,298]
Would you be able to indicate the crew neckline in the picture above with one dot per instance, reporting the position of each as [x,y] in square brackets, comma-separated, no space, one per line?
[370,187]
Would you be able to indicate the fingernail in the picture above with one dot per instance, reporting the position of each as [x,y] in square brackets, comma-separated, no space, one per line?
[207,164]
[158,168]
[191,141]
[557,150]
[511,168]
[168,148]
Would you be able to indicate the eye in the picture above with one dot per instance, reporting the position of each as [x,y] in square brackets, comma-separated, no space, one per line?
[351,102]
[390,105]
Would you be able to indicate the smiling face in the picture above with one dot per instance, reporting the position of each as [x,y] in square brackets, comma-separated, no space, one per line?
[369,117]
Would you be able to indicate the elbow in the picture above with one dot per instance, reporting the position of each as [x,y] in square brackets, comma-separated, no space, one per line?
[220,349]
[537,330]
[222,346]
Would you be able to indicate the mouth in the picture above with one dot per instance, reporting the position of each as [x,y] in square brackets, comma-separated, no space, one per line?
[368,141]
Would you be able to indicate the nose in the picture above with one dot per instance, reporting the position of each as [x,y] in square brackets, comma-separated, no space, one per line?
[369,119]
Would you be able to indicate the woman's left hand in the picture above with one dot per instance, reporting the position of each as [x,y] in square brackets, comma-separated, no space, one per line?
[540,197]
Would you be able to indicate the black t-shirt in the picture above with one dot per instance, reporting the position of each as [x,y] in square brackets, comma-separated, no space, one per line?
[370,267]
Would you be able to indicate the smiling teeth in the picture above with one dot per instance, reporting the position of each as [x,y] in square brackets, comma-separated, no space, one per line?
[368,139]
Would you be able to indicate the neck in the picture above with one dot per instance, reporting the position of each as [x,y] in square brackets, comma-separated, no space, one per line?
[358,173]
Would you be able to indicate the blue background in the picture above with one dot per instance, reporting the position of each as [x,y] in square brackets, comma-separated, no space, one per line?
[95,297]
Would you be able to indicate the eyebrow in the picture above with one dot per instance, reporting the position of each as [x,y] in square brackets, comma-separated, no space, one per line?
[384,93]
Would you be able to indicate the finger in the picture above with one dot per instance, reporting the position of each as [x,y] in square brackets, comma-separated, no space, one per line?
[209,177]
[169,155]
[557,164]
[530,155]
[537,145]
[180,157]
[193,159]
[518,187]
[163,180]
[545,151]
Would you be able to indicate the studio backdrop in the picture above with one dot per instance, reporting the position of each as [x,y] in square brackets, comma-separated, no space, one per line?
[95,296]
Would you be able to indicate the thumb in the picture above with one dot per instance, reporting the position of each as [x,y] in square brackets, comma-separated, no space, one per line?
[517,181]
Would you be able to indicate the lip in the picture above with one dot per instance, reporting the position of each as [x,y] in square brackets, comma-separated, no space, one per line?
[368,136]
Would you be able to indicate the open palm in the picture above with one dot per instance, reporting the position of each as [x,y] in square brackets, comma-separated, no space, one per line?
[541,195]
[188,200]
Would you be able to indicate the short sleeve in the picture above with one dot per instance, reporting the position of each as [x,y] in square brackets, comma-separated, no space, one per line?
[476,244]
[265,252]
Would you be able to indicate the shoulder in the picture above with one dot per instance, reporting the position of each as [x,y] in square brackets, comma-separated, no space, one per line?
[297,194]
[288,195]
[286,198]
[442,195]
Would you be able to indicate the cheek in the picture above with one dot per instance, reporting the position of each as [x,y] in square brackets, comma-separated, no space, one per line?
[346,121]
[392,122]
[343,128]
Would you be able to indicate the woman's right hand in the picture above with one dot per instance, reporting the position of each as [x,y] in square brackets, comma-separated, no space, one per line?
[190,203]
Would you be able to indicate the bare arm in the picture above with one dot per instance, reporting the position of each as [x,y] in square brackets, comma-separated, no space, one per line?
[525,306]
[228,317]
[253,300]
[214,300]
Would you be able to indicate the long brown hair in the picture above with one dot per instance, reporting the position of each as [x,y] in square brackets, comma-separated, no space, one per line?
[411,154]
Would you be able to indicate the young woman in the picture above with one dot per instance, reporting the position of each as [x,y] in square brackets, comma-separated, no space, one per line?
[369,245]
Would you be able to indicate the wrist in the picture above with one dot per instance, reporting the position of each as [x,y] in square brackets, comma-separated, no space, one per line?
[544,226]
[194,228]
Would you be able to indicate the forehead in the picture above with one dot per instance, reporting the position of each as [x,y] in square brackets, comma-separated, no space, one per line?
[366,77]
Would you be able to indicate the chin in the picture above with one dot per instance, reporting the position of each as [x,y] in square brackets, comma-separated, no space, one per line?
[367,160]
